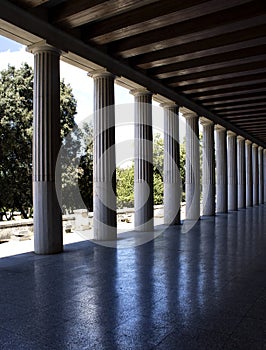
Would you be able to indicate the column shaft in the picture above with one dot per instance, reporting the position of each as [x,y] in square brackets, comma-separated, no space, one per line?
[208,168]
[221,170]
[104,167]
[48,237]
[241,172]
[264,173]
[255,174]
[143,176]
[232,170]
[249,179]
[172,180]
[192,166]
[261,180]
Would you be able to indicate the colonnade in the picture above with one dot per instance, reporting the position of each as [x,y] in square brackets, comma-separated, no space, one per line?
[233,169]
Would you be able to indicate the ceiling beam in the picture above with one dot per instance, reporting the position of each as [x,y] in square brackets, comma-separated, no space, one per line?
[78,12]
[215,24]
[154,58]
[56,37]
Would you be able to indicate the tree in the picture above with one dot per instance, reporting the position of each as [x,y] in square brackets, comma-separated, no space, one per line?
[16,113]
[85,174]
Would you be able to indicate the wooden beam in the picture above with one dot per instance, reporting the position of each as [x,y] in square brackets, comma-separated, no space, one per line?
[215,24]
[222,82]
[79,12]
[235,54]
[157,57]
[240,106]
[235,102]
[136,20]
[181,11]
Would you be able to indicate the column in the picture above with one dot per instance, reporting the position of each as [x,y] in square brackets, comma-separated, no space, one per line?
[48,236]
[221,170]
[192,165]
[143,176]
[255,174]
[171,173]
[241,172]
[104,165]
[264,173]
[232,173]
[249,178]
[261,180]
[208,167]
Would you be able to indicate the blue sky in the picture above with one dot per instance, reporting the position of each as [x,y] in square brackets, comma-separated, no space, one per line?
[6,44]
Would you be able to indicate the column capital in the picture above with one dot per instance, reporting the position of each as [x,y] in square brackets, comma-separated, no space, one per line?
[42,46]
[260,148]
[231,133]
[140,92]
[240,138]
[248,142]
[169,105]
[254,145]
[187,113]
[100,73]
[205,121]
[219,128]
[264,151]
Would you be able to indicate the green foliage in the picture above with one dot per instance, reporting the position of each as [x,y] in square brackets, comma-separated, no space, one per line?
[125,176]
[85,175]
[16,114]
[125,187]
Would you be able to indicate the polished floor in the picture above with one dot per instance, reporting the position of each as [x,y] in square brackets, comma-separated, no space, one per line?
[205,289]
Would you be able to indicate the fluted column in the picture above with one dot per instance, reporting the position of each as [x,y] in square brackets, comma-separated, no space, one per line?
[261,180]
[264,173]
[171,174]
[143,176]
[232,170]
[241,172]
[255,174]
[208,168]
[104,165]
[221,170]
[249,177]
[192,165]
[48,237]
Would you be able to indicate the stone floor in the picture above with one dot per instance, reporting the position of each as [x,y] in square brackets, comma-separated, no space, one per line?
[205,289]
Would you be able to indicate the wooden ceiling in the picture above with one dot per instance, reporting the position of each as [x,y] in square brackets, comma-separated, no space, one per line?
[211,52]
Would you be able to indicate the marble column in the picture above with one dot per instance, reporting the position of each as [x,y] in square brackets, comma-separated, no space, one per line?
[249,178]
[232,170]
[143,176]
[221,170]
[192,165]
[261,180]
[208,167]
[241,172]
[171,174]
[255,174]
[48,236]
[264,173]
[104,160]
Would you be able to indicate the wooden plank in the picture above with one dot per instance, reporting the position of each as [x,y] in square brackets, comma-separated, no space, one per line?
[201,24]
[223,66]
[206,100]
[139,17]
[222,84]
[239,90]
[202,61]
[233,102]
[79,12]
[242,106]
[155,16]
[243,111]
[157,57]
